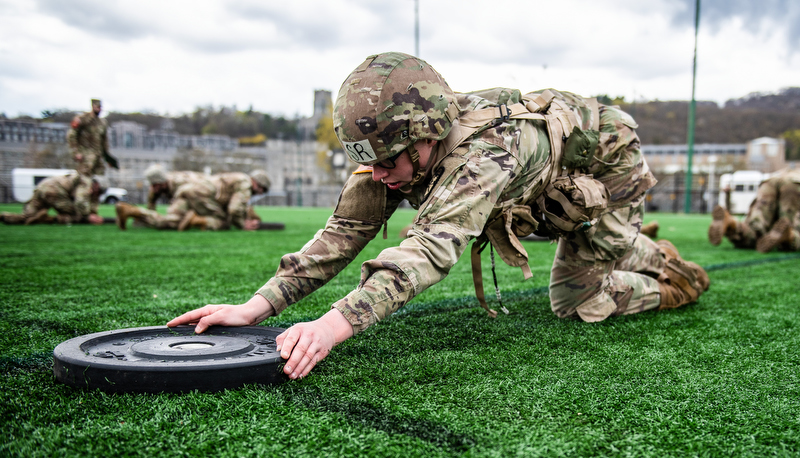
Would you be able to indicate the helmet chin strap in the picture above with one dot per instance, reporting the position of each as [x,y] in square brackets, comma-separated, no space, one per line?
[417,173]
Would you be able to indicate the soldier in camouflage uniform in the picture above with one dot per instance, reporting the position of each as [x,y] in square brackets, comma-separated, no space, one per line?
[188,192]
[88,142]
[478,166]
[233,192]
[773,219]
[74,197]
[213,203]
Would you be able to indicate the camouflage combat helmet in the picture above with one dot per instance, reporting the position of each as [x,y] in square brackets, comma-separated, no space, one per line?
[102,182]
[260,177]
[389,102]
[155,174]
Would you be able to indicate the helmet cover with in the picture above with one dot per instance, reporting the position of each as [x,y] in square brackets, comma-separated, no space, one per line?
[260,177]
[155,174]
[389,102]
